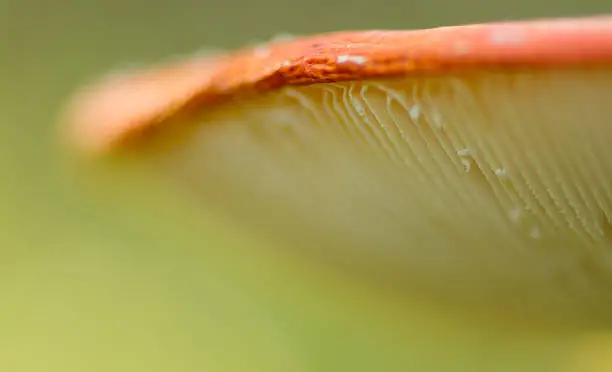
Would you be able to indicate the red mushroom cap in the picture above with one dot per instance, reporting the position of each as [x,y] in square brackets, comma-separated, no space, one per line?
[114,110]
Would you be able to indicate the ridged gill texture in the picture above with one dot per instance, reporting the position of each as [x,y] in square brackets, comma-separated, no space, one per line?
[487,187]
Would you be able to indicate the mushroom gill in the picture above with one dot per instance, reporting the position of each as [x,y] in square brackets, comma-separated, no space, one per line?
[491,184]
[476,186]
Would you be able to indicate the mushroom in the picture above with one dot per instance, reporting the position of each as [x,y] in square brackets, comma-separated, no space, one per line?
[468,164]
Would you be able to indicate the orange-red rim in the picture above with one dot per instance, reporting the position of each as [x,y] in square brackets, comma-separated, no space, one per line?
[111,112]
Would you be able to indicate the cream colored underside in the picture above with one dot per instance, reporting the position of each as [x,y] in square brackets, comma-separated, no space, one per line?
[492,186]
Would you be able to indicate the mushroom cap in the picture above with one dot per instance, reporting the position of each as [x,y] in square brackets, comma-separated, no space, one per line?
[124,105]
[470,163]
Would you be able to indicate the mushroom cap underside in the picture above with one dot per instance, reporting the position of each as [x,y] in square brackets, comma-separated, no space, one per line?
[469,163]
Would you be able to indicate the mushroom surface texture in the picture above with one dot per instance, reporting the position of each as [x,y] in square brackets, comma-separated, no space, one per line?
[470,164]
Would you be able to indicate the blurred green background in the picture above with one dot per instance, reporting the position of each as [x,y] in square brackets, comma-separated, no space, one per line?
[115,271]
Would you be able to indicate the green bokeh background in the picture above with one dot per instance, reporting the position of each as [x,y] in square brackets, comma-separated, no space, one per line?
[115,271]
